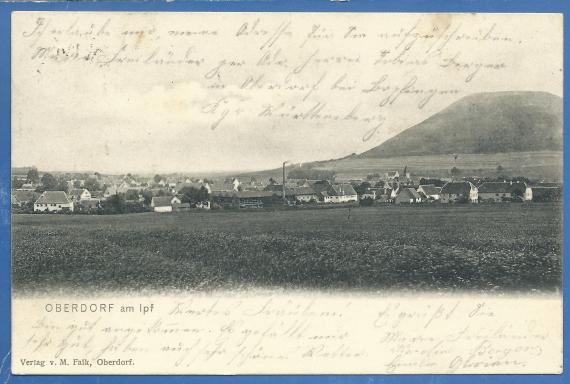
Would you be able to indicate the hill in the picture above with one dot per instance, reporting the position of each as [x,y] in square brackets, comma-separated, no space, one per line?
[483,123]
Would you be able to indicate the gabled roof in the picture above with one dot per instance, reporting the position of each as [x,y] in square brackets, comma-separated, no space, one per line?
[408,193]
[76,192]
[53,197]
[320,185]
[24,196]
[414,193]
[302,191]
[495,187]
[244,194]
[253,194]
[456,188]
[430,189]
[343,190]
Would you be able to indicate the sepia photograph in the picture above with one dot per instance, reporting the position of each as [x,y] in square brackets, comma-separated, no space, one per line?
[231,193]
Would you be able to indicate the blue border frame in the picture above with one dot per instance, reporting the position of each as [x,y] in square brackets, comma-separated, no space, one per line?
[531,6]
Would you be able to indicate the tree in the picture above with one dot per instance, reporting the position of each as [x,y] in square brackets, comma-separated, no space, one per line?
[157,179]
[62,184]
[77,184]
[147,195]
[455,171]
[33,176]
[272,181]
[372,176]
[500,168]
[16,183]
[114,204]
[131,195]
[193,195]
[49,182]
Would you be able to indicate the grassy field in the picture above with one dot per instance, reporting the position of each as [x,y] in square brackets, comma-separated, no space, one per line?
[486,247]
[534,165]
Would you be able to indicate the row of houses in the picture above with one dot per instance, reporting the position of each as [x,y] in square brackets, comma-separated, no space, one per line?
[231,194]
[467,192]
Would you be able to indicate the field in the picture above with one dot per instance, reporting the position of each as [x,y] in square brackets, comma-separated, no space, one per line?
[504,247]
[533,165]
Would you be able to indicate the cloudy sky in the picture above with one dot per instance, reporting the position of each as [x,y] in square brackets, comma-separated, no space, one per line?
[214,92]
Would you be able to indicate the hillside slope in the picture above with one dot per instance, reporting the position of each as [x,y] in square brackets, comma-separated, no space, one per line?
[496,122]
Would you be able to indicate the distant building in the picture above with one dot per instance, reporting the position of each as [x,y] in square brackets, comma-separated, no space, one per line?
[245,199]
[180,207]
[407,196]
[545,193]
[164,203]
[27,187]
[110,191]
[53,201]
[496,192]
[89,205]
[21,198]
[343,193]
[391,176]
[459,192]
[79,194]
[303,194]
[430,191]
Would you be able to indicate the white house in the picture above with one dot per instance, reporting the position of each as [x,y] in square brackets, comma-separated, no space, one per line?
[460,191]
[343,193]
[431,191]
[79,194]
[53,201]
[407,196]
[164,203]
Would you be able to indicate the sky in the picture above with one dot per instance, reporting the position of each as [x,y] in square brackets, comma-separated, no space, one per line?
[89,92]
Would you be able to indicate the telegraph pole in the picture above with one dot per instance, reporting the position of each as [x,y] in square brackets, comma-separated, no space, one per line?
[285,162]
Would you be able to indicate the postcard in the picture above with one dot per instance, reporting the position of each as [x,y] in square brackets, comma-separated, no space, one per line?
[286,193]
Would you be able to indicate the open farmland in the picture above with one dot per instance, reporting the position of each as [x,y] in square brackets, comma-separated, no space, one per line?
[545,165]
[503,247]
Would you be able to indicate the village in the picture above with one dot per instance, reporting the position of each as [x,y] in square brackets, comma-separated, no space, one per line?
[101,194]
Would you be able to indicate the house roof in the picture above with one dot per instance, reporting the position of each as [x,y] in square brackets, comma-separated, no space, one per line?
[76,192]
[430,189]
[414,193]
[409,193]
[320,185]
[161,201]
[53,197]
[244,194]
[495,187]
[456,188]
[343,190]
[254,194]
[24,196]
[302,191]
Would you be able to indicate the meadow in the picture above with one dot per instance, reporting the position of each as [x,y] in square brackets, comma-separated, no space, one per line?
[501,247]
[545,165]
